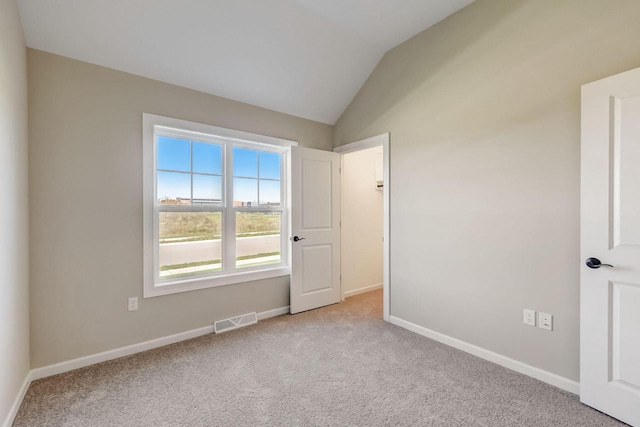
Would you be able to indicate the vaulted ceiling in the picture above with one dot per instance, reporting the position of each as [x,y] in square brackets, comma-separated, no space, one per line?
[307,58]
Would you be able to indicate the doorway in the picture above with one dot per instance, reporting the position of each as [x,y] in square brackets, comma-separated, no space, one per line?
[365,218]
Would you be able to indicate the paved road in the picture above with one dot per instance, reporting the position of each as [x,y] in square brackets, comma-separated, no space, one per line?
[245,262]
[206,250]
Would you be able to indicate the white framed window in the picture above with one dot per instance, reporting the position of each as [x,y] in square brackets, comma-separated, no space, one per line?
[216,206]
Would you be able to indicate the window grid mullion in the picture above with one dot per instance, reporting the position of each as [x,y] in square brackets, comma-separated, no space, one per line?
[230,249]
[284,217]
[191,168]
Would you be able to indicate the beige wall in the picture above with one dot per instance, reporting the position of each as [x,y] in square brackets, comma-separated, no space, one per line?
[86,198]
[14,232]
[362,212]
[484,115]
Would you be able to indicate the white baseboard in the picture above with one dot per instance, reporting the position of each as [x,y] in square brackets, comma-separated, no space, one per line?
[537,373]
[348,294]
[18,401]
[92,359]
[81,362]
[273,313]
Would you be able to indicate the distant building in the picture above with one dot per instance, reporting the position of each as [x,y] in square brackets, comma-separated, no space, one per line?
[209,202]
[188,202]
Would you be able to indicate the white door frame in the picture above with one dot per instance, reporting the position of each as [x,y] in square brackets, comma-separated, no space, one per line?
[377,141]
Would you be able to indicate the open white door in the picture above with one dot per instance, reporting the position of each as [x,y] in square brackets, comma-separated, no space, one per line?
[610,234]
[315,223]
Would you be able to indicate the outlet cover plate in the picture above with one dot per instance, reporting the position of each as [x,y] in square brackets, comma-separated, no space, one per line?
[545,321]
[529,317]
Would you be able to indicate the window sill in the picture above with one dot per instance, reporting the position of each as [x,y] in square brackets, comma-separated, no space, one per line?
[212,282]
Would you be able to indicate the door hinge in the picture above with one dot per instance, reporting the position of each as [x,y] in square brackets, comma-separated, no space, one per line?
[339,170]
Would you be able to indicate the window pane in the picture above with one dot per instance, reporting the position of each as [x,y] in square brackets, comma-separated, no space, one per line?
[245,162]
[207,190]
[245,192]
[270,193]
[174,154]
[270,165]
[257,238]
[207,158]
[174,188]
[189,243]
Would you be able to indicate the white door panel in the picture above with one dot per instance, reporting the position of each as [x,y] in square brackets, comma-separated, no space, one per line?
[315,274]
[626,162]
[315,220]
[610,231]
[625,349]
[315,198]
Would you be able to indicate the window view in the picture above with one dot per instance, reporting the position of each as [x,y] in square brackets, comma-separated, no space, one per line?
[256,184]
[189,243]
[189,172]
[258,238]
[198,221]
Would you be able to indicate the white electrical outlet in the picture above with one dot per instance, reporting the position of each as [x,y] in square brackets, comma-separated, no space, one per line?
[529,317]
[545,321]
[133,303]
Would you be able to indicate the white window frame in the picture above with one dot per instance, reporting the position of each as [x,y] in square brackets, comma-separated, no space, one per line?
[153,284]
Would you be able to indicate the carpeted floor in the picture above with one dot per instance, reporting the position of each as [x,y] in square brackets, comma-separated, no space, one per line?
[339,365]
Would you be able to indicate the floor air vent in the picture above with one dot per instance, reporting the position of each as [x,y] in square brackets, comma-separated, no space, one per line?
[235,323]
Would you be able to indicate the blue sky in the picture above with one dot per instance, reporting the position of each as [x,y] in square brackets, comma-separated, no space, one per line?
[174,157]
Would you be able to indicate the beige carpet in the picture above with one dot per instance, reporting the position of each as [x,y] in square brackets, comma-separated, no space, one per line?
[339,366]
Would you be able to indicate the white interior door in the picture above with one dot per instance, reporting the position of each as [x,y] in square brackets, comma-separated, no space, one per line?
[315,223]
[610,232]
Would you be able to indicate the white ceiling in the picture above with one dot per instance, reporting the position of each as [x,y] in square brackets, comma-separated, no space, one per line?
[307,58]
